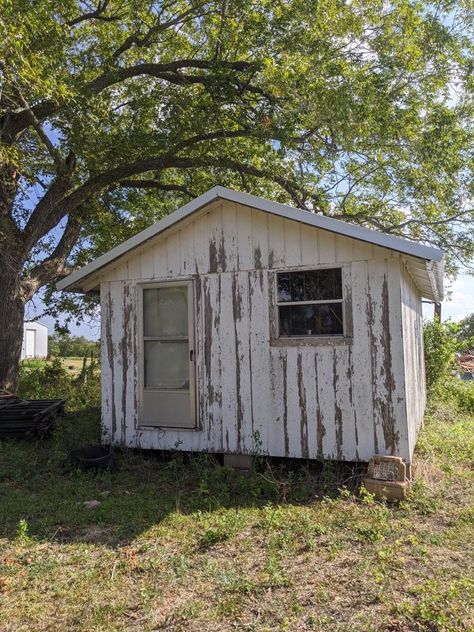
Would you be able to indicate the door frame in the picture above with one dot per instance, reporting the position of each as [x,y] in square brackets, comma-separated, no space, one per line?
[192,335]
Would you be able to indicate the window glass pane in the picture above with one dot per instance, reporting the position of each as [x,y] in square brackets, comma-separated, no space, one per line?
[165,311]
[324,319]
[166,364]
[310,285]
[297,286]
[284,287]
[330,284]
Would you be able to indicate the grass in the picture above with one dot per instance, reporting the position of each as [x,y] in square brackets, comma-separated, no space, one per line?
[182,543]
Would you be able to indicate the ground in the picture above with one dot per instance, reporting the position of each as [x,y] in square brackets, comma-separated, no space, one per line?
[185,544]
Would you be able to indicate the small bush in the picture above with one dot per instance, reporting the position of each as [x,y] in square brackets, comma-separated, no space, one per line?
[440,343]
[50,380]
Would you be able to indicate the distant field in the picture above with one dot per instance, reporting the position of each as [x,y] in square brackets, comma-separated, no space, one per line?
[73,365]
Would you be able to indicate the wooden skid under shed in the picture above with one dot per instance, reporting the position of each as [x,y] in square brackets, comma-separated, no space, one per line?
[28,418]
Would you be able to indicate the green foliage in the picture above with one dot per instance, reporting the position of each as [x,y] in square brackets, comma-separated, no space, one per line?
[440,345]
[66,346]
[466,334]
[50,380]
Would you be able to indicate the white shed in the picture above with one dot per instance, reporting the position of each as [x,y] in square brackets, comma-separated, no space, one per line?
[35,340]
[239,325]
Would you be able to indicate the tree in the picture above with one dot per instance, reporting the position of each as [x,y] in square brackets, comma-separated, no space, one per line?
[466,334]
[65,346]
[114,112]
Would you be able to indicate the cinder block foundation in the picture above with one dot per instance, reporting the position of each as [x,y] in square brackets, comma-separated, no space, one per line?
[240,462]
[387,478]
[387,490]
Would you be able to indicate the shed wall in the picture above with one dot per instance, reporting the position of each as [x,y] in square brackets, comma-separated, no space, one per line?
[412,321]
[334,400]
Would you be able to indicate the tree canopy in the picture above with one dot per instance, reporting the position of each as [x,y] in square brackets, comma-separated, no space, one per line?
[114,112]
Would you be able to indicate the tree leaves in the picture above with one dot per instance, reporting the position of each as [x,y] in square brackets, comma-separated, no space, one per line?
[361,110]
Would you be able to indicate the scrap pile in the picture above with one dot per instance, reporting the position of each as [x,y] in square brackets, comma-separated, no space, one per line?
[466,362]
[27,417]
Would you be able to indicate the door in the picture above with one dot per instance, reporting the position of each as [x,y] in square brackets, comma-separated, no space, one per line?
[168,375]
[30,343]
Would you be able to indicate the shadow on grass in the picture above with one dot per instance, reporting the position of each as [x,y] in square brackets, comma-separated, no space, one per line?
[40,488]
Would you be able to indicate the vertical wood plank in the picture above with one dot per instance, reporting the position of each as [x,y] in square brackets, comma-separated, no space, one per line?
[127,347]
[186,240]
[292,235]
[244,237]
[159,259]
[146,264]
[241,310]
[229,234]
[276,242]
[260,239]
[327,247]
[311,400]
[309,246]
[293,403]
[277,441]
[324,368]
[361,365]
[115,359]
[173,255]
[217,262]
[227,333]
[106,355]
[201,245]
[259,344]
[344,249]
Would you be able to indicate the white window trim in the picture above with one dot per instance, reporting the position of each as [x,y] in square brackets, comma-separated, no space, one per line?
[311,340]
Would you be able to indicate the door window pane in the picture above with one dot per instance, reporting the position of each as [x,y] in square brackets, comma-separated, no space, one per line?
[167,364]
[165,311]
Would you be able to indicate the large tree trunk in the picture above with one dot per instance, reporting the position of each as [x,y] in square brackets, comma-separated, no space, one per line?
[12,311]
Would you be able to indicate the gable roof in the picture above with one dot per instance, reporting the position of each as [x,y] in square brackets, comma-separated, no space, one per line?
[428,271]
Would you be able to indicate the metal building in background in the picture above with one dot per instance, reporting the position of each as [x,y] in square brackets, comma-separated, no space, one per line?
[35,340]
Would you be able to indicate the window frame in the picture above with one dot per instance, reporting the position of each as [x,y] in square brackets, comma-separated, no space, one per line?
[278,339]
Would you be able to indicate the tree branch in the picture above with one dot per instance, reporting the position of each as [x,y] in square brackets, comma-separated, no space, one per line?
[169,72]
[155,184]
[146,40]
[54,266]
[98,14]
[14,122]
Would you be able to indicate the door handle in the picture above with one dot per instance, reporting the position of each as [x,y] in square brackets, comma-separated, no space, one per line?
[191,355]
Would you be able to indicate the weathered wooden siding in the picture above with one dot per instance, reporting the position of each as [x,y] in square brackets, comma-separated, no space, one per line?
[343,399]
[412,320]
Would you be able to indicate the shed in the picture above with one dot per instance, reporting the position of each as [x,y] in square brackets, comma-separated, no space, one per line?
[35,340]
[238,325]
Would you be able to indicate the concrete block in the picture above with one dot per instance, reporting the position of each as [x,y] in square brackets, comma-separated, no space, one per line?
[240,462]
[387,490]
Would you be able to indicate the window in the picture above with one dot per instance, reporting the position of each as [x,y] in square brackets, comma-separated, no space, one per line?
[310,303]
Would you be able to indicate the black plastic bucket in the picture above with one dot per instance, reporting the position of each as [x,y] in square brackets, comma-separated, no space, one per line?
[93,457]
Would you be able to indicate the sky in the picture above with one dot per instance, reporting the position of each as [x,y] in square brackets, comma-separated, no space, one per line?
[458,304]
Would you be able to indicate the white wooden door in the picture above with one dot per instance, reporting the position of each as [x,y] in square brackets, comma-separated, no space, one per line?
[30,343]
[167,350]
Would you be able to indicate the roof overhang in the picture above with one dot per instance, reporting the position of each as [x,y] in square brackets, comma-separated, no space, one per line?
[424,263]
